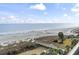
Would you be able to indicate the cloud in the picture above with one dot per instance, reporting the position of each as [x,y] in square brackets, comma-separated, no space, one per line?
[33,20]
[75,9]
[38,7]
[64,8]
[77,14]
[65,15]
[8,19]
[12,17]
[2,18]
[77,5]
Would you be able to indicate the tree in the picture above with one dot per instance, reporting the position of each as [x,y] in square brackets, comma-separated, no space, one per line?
[61,36]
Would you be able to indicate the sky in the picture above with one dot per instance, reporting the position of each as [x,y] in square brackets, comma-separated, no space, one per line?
[39,13]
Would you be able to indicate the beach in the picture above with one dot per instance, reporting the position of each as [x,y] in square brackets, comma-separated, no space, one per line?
[36,51]
[11,37]
[41,39]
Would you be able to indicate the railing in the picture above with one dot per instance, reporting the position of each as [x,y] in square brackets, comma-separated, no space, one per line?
[75,50]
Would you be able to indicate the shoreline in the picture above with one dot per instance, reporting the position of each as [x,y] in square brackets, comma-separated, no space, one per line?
[22,31]
[11,37]
[25,31]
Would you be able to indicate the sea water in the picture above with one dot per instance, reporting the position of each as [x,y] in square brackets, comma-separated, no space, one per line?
[34,26]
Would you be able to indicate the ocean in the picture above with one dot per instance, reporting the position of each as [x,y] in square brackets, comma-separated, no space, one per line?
[34,26]
[12,29]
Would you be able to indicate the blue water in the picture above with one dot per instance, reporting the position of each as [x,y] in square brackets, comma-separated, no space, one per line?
[21,27]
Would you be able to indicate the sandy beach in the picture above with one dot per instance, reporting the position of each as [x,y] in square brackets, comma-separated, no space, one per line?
[36,51]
